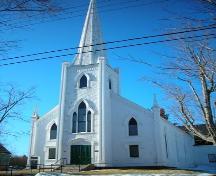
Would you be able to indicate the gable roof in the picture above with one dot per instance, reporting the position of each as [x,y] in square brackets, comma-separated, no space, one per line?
[197,140]
[3,150]
[201,127]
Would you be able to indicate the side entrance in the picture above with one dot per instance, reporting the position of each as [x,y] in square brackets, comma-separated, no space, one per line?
[80,154]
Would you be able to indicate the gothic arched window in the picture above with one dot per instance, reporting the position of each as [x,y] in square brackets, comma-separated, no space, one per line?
[82,117]
[74,123]
[89,121]
[83,82]
[133,130]
[53,132]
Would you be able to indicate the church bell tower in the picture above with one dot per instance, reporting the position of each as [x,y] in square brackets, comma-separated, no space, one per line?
[85,106]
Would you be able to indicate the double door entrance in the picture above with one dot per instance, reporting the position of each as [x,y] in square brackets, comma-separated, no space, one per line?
[80,154]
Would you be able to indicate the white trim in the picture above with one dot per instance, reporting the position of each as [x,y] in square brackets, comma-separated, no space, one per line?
[48,128]
[80,141]
[75,106]
[126,126]
[136,117]
[77,78]
[75,109]
[47,153]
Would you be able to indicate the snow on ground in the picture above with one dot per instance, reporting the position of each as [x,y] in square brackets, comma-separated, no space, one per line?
[58,174]
[51,174]
[207,169]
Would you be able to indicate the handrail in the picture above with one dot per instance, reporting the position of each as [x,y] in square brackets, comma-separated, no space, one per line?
[40,167]
[10,168]
[60,160]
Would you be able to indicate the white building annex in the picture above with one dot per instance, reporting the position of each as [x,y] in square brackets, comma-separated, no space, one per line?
[94,124]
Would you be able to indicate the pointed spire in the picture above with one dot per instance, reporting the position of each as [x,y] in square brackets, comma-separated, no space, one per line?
[155,102]
[91,35]
[35,113]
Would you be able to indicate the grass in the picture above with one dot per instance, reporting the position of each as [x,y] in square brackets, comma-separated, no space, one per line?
[120,171]
[20,172]
[137,171]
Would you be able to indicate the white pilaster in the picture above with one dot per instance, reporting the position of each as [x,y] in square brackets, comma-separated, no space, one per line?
[159,138]
[61,111]
[35,117]
[101,106]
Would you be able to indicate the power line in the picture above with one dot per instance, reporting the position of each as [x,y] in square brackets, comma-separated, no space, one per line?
[64,9]
[79,15]
[85,5]
[74,8]
[195,29]
[111,48]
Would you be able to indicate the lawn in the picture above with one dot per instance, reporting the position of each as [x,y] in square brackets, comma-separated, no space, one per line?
[23,172]
[120,171]
[137,171]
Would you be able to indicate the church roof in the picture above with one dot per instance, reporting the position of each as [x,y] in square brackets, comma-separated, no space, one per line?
[90,47]
[3,150]
[202,128]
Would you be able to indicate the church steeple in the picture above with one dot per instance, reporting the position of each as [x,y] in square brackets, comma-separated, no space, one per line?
[89,51]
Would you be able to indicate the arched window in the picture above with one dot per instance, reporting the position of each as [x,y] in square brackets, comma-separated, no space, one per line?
[82,117]
[83,82]
[74,123]
[89,121]
[53,131]
[110,84]
[133,131]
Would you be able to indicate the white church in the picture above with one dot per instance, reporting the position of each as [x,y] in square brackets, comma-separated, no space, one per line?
[94,124]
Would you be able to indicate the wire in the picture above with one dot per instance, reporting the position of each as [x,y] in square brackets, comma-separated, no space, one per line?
[83,5]
[111,48]
[74,16]
[195,29]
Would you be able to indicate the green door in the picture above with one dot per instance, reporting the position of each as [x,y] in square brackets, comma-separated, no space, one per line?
[80,154]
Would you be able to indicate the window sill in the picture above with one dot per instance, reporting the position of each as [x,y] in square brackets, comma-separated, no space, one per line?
[82,133]
[133,135]
[52,140]
[82,88]
[51,159]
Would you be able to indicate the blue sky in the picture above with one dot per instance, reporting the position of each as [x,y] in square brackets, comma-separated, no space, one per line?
[132,19]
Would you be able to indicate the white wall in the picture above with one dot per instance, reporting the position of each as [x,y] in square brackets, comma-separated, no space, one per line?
[179,145]
[122,111]
[41,139]
[200,154]
[72,96]
[112,134]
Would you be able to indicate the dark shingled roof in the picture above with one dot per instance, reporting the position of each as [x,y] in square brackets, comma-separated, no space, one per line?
[202,128]
[4,150]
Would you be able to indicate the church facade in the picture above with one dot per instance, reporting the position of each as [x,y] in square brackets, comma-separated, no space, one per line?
[94,124]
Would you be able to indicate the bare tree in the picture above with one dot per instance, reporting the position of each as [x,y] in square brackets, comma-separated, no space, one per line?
[190,83]
[190,75]
[10,100]
[25,6]
[194,90]
[15,14]
[200,12]
[193,72]
[211,2]
[11,12]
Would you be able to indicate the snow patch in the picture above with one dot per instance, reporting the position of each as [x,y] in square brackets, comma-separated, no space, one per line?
[51,174]
[59,174]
